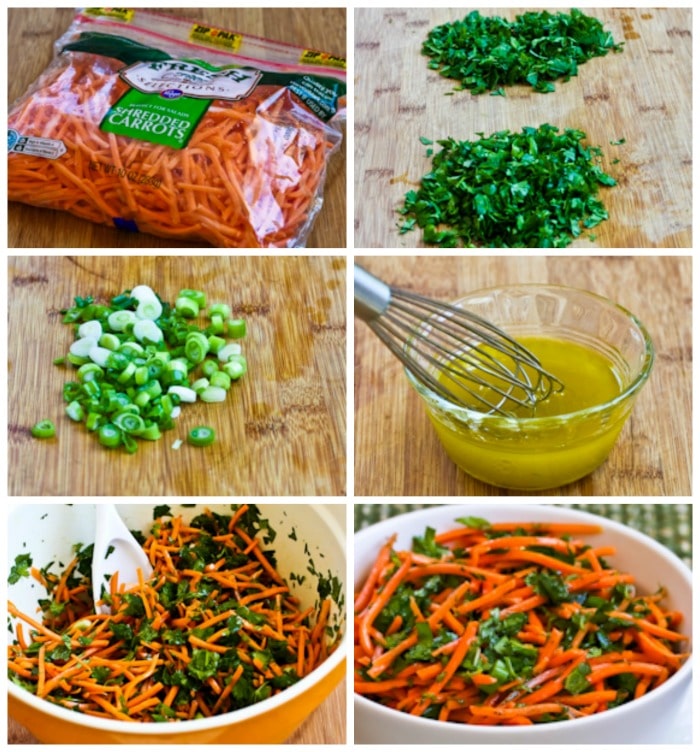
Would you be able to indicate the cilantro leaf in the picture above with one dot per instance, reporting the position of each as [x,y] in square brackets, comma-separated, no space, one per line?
[551,585]
[576,681]
[20,568]
[203,664]
[427,544]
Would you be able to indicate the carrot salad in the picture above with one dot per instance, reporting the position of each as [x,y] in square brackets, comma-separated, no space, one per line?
[214,629]
[509,624]
[159,125]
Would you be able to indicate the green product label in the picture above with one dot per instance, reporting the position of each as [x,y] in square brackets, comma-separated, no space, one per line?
[155,117]
[168,98]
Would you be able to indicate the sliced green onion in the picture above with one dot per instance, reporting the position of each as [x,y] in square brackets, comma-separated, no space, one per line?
[90,372]
[166,404]
[196,347]
[109,435]
[131,348]
[93,421]
[141,375]
[100,355]
[226,353]
[209,367]
[212,394]
[236,328]
[81,347]
[201,436]
[142,399]
[74,411]
[216,344]
[184,393]
[146,330]
[187,307]
[200,385]
[162,356]
[198,296]
[220,379]
[150,309]
[129,443]
[117,360]
[75,360]
[90,329]
[110,341]
[44,429]
[142,292]
[219,309]
[91,388]
[177,364]
[129,422]
[124,300]
[151,433]
[127,374]
[120,321]
[217,325]
[236,367]
[175,378]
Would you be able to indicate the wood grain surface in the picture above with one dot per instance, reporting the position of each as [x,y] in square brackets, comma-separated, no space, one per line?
[642,94]
[398,453]
[281,430]
[327,725]
[31,35]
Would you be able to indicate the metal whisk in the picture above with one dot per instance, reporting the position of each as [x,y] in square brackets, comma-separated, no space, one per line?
[455,353]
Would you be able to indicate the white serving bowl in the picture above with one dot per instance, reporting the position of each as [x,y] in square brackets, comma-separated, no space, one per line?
[649,719]
[49,531]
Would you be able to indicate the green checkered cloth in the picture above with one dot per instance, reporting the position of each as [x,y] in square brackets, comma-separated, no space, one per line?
[669,524]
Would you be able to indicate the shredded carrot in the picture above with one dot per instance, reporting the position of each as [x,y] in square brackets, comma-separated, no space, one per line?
[178,645]
[509,624]
[250,174]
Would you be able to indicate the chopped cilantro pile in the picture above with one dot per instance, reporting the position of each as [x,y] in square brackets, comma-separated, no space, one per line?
[484,53]
[533,189]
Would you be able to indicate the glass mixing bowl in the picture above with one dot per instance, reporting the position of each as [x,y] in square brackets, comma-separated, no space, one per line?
[537,453]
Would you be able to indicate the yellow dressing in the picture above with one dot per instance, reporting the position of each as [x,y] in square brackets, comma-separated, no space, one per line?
[589,379]
[560,441]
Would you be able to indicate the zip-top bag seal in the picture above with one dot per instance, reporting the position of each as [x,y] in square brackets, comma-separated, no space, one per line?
[155,124]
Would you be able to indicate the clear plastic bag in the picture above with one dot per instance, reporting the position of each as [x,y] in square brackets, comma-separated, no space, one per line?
[154,124]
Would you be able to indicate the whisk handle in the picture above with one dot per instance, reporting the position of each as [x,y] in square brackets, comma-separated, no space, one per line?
[372,296]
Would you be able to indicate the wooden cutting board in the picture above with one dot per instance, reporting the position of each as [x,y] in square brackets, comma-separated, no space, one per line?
[643,95]
[281,429]
[31,35]
[327,725]
[396,450]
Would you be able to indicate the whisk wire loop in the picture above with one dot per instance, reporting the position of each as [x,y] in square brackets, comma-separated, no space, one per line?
[455,353]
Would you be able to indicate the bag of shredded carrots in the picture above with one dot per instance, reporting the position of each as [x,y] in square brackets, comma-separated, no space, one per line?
[155,124]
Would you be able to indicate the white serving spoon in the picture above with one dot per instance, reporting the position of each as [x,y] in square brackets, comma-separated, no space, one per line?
[115,550]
